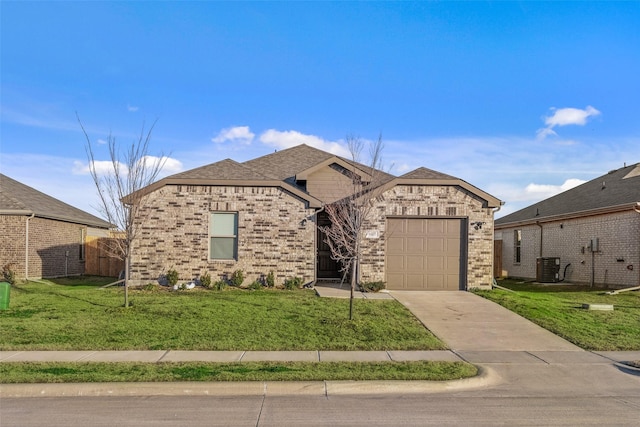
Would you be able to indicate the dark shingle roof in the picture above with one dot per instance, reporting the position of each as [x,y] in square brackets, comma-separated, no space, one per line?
[424,173]
[225,169]
[287,163]
[282,167]
[617,188]
[19,199]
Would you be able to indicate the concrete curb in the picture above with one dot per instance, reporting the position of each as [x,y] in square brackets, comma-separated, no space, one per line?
[486,377]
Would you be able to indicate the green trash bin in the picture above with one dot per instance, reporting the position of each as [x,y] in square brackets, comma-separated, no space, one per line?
[5,291]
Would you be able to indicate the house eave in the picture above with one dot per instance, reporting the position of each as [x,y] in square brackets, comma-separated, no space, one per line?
[312,201]
[572,215]
[22,212]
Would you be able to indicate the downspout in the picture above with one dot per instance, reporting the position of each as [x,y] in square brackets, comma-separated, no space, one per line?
[637,209]
[26,246]
[315,247]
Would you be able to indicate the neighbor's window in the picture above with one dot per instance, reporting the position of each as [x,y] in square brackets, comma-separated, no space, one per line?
[223,233]
[517,246]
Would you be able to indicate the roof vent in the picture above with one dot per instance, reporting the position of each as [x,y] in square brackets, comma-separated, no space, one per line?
[604,185]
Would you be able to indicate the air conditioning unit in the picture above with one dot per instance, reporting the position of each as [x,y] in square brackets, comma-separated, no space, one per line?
[548,270]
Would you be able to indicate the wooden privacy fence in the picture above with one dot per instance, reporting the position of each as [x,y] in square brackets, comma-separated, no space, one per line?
[497,258]
[98,261]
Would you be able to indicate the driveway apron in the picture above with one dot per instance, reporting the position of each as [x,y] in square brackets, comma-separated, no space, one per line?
[469,323]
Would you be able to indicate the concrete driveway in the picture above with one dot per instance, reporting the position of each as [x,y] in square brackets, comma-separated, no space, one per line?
[469,323]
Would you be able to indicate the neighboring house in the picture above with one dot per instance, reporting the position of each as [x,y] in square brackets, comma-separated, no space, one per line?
[42,236]
[428,230]
[589,234]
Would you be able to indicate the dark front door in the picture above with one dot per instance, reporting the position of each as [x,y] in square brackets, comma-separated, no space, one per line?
[327,267]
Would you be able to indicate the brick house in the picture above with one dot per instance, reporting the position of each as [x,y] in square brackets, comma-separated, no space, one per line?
[589,234]
[40,235]
[428,230]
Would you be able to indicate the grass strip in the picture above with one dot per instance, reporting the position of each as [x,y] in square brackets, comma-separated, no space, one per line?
[48,372]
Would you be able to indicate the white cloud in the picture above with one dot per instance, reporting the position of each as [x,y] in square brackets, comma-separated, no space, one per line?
[570,116]
[291,138]
[564,117]
[240,134]
[546,190]
[101,141]
[169,167]
[132,109]
[103,167]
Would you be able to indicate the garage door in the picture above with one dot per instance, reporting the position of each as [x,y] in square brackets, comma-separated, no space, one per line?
[423,254]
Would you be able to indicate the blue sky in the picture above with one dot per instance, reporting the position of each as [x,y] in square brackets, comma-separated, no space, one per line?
[521,99]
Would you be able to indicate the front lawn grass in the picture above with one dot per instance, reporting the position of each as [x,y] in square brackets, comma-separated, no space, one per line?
[75,314]
[240,371]
[558,308]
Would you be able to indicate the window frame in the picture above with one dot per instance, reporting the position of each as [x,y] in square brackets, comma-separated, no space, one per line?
[212,236]
[517,246]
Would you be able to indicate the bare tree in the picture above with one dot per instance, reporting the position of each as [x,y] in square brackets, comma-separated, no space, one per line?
[345,234]
[119,181]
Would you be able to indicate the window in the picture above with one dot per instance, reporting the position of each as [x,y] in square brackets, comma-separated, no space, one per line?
[517,246]
[223,234]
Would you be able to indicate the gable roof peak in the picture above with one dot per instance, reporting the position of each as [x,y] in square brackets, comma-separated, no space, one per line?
[426,173]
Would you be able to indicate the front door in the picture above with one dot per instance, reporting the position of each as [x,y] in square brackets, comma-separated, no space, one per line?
[327,268]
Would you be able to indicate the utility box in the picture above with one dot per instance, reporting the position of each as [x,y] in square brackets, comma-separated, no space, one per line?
[5,293]
[548,270]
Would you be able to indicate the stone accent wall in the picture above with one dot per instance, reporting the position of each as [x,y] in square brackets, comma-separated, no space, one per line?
[276,232]
[436,202]
[616,264]
[54,246]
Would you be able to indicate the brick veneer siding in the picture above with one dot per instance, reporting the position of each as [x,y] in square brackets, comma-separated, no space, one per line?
[49,241]
[433,201]
[174,233]
[619,239]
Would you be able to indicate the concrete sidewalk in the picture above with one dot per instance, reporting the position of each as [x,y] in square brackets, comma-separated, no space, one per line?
[156,356]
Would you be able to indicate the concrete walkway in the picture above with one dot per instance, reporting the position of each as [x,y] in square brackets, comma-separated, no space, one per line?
[156,356]
[483,332]
[468,322]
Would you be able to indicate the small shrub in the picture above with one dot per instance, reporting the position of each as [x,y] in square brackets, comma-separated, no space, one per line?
[255,285]
[220,285]
[9,274]
[149,287]
[172,276]
[237,278]
[293,283]
[205,280]
[270,280]
[372,286]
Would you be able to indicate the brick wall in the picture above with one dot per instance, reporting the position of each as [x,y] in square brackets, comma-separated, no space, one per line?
[174,233]
[617,263]
[437,202]
[54,246]
[12,245]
